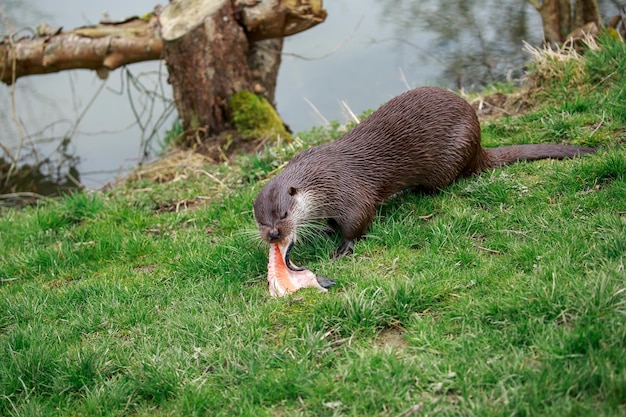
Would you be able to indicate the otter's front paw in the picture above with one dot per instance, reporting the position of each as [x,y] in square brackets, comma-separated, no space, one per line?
[346,249]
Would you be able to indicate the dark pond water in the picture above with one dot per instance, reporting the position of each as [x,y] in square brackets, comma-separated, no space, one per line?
[366,52]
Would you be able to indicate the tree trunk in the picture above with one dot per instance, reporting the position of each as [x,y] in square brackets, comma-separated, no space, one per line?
[212,49]
[585,12]
[207,64]
[560,19]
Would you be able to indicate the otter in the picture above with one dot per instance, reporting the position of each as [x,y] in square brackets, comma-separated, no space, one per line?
[422,140]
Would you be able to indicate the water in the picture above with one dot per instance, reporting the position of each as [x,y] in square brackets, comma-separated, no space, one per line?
[366,52]
[371,51]
[104,133]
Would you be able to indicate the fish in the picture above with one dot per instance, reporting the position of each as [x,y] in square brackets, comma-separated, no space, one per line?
[284,278]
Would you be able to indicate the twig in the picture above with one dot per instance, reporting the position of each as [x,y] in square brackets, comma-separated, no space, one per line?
[488,250]
[604,79]
[74,181]
[410,411]
[82,114]
[148,133]
[486,103]
[213,177]
[21,195]
[515,232]
[413,45]
[404,80]
[140,87]
[332,51]
[325,120]
[7,151]
[347,108]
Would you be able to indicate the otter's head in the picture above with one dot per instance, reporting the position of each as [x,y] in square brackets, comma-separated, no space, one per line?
[275,212]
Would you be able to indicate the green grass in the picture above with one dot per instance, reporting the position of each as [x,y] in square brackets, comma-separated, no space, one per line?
[504,294]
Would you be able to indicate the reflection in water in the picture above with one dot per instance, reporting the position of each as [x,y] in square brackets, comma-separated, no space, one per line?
[371,50]
[55,152]
[26,180]
[477,42]
[112,124]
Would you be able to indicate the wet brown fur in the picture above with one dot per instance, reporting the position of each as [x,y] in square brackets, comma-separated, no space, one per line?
[423,139]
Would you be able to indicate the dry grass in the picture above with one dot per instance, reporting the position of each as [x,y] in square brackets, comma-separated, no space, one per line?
[551,63]
[175,166]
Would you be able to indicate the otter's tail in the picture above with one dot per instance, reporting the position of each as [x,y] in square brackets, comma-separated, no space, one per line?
[509,154]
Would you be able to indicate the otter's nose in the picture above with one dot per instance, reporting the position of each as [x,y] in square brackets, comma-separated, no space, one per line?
[274,234]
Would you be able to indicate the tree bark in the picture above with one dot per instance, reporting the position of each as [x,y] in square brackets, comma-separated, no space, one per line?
[585,12]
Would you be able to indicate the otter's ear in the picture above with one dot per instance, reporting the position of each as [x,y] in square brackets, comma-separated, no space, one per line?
[292,191]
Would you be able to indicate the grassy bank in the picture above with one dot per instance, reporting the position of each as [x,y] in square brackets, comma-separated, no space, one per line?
[504,294]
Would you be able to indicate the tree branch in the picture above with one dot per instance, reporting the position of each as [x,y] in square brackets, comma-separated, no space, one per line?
[102,47]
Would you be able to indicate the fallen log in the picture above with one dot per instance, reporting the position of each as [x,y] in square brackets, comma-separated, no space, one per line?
[102,47]
[110,45]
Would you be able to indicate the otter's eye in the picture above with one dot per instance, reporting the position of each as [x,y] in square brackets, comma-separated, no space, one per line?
[284,215]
